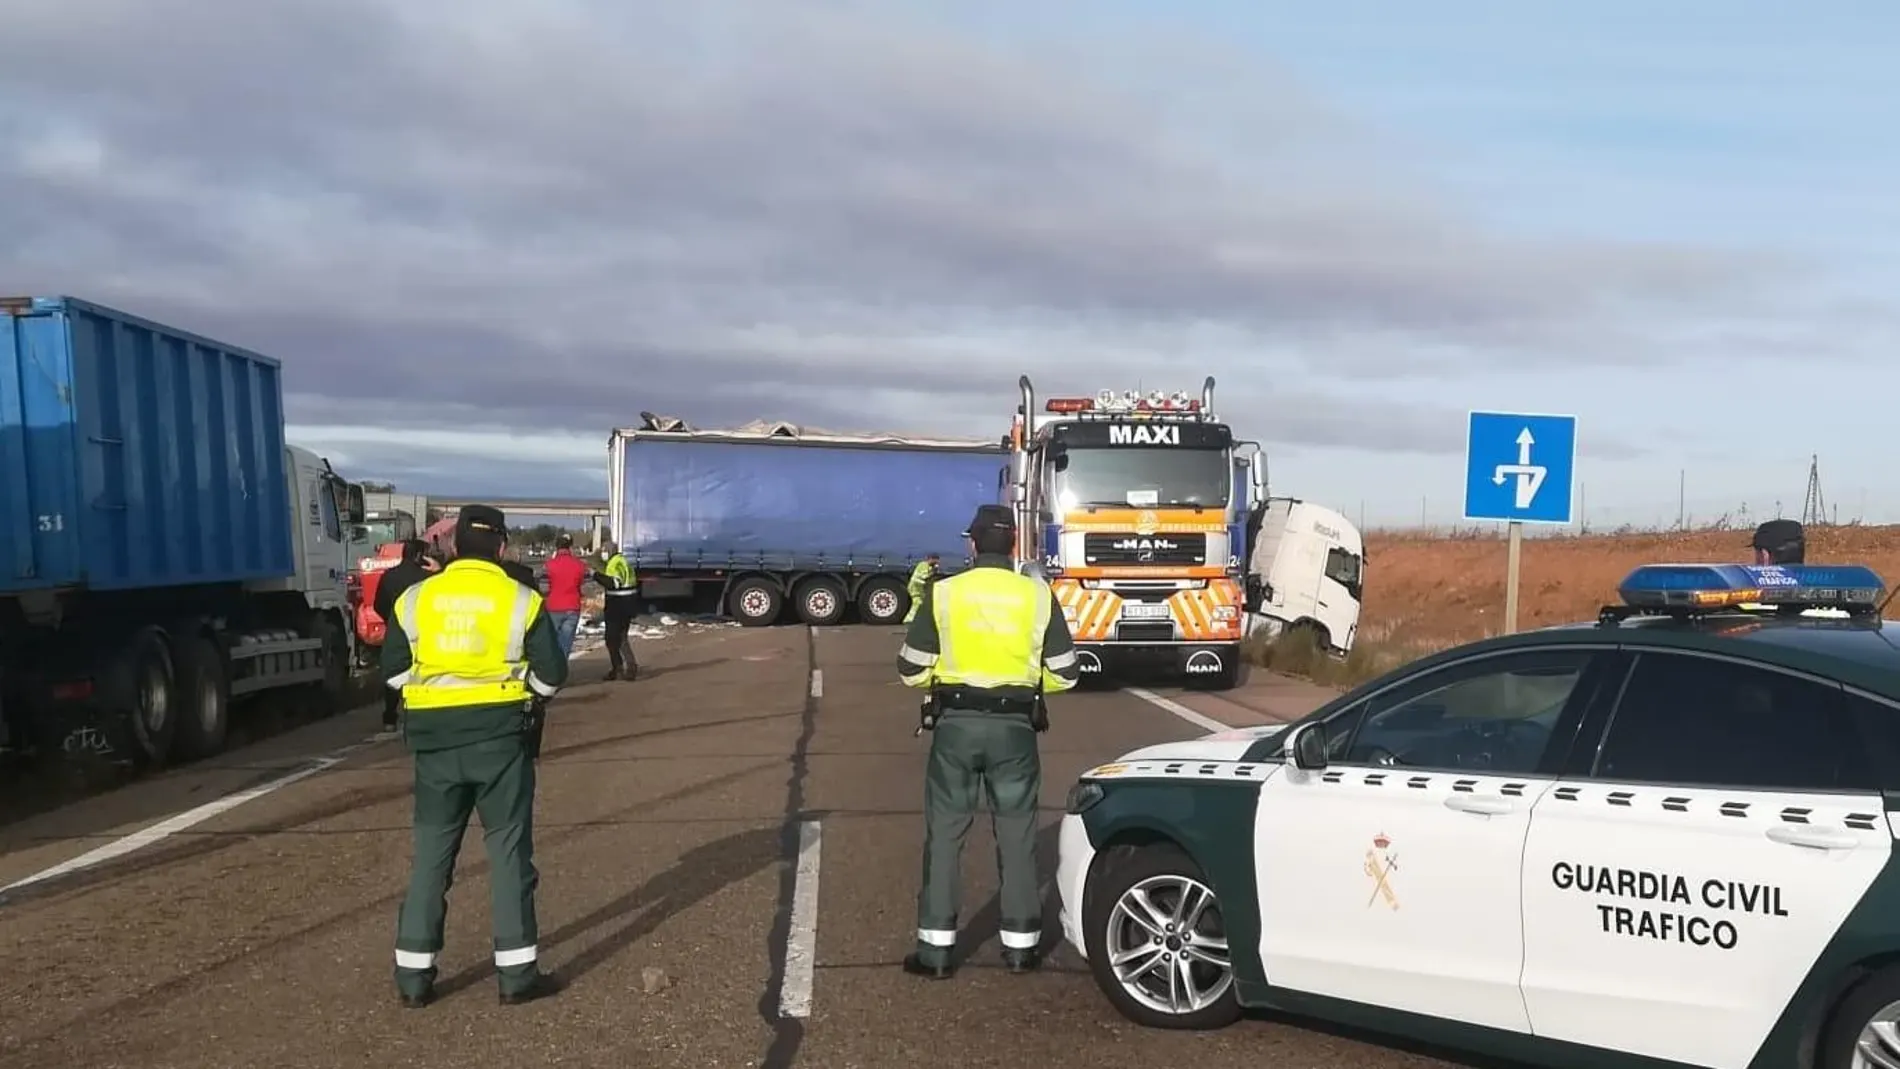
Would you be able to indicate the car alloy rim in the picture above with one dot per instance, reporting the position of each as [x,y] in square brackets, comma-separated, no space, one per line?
[1879,1044]
[1168,947]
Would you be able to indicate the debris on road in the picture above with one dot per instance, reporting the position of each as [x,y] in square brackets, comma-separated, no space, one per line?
[654,980]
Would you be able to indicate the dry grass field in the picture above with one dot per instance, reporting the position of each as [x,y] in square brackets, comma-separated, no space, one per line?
[1425,592]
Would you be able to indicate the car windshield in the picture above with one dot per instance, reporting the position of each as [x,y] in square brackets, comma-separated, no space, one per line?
[1145,477]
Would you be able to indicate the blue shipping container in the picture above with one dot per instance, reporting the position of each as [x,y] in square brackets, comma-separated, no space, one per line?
[135,455]
[796,504]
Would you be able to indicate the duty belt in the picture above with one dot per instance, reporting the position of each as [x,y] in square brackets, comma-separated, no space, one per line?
[983,701]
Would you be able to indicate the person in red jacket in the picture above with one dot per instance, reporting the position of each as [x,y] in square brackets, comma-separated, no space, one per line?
[565,573]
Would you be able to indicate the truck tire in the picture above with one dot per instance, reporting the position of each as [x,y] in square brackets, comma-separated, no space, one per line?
[204,691]
[141,687]
[333,694]
[756,602]
[821,601]
[883,601]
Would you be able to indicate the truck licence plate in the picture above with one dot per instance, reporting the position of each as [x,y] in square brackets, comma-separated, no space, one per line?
[1144,612]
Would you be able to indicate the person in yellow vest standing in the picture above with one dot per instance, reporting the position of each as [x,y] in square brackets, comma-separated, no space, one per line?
[920,579]
[987,644]
[621,588]
[472,651]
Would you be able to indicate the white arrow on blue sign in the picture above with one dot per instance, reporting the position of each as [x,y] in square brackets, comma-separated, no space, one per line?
[1520,467]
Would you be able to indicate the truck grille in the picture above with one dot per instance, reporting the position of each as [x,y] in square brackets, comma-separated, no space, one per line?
[1144,549]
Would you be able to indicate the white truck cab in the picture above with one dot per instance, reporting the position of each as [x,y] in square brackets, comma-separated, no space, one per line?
[1306,568]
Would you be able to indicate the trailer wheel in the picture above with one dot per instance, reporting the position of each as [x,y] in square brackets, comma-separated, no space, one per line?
[204,688]
[756,602]
[821,601]
[882,601]
[141,687]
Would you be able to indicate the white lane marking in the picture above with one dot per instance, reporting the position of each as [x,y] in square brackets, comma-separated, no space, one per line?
[1182,711]
[817,682]
[170,826]
[801,938]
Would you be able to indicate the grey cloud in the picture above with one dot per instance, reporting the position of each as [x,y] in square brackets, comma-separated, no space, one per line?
[727,210]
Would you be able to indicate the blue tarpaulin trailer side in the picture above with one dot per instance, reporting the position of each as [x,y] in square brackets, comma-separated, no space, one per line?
[799,503]
[134,455]
[753,520]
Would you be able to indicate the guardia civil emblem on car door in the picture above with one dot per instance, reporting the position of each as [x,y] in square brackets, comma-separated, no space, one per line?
[1381,863]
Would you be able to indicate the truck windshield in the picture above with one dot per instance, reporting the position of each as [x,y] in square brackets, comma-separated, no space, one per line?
[1121,476]
[381,532]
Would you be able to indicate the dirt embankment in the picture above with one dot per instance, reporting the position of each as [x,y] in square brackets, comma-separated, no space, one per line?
[1430,592]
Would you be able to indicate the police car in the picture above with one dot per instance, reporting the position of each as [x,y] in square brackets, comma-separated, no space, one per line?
[1658,839]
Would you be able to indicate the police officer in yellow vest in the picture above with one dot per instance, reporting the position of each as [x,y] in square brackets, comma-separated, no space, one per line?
[471,649]
[987,643]
[920,579]
[621,589]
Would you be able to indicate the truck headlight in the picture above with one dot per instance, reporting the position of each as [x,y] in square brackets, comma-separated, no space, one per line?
[1226,612]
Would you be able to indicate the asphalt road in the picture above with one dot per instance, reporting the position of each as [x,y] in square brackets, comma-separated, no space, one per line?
[670,814]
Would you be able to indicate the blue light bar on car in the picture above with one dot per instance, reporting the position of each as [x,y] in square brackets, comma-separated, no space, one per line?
[1716,586]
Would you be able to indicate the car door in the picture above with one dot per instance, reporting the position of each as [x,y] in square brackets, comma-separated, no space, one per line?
[1680,884]
[1392,877]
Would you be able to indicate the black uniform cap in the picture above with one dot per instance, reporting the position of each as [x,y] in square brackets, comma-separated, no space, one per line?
[1785,541]
[990,518]
[482,518]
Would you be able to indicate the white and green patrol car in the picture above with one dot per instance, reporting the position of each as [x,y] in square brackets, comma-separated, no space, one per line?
[1662,839]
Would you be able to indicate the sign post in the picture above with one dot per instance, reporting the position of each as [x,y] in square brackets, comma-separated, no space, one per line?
[1519,468]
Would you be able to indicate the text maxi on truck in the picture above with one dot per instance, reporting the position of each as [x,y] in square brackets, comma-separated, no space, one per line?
[1128,504]
[163,551]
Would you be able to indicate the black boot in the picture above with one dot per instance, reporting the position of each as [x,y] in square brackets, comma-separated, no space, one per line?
[1022,961]
[916,966]
[540,987]
[612,674]
[417,1001]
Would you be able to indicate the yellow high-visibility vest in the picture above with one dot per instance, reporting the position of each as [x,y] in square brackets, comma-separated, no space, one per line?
[990,624]
[466,626]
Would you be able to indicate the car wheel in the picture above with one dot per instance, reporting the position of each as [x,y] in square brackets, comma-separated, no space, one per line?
[1157,942]
[1864,1031]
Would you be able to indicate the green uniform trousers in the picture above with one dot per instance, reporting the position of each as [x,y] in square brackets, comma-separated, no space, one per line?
[495,779]
[994,755]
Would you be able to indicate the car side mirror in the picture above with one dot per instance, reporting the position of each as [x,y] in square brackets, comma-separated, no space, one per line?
[1306,745]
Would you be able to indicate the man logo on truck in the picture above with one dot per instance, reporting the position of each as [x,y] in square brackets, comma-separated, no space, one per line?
[1143,434]
[1203,663]
[1147,545]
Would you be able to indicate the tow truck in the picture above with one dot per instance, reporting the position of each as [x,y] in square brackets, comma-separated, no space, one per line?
[1134,508]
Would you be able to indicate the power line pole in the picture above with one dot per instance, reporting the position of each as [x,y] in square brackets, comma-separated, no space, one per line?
[1813,507]
[1682,498]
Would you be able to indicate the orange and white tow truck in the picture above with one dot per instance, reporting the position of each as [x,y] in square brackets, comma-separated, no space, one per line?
[1134,508]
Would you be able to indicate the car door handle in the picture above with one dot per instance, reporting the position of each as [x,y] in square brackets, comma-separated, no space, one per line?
[1488,805]
[1814,838]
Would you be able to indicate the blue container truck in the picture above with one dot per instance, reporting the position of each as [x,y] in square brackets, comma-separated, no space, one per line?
[750,522]
[163,551]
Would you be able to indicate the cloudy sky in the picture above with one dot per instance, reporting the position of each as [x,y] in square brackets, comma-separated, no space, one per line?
[481,233]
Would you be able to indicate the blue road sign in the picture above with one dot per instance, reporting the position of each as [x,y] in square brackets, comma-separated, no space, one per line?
[1520,467]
